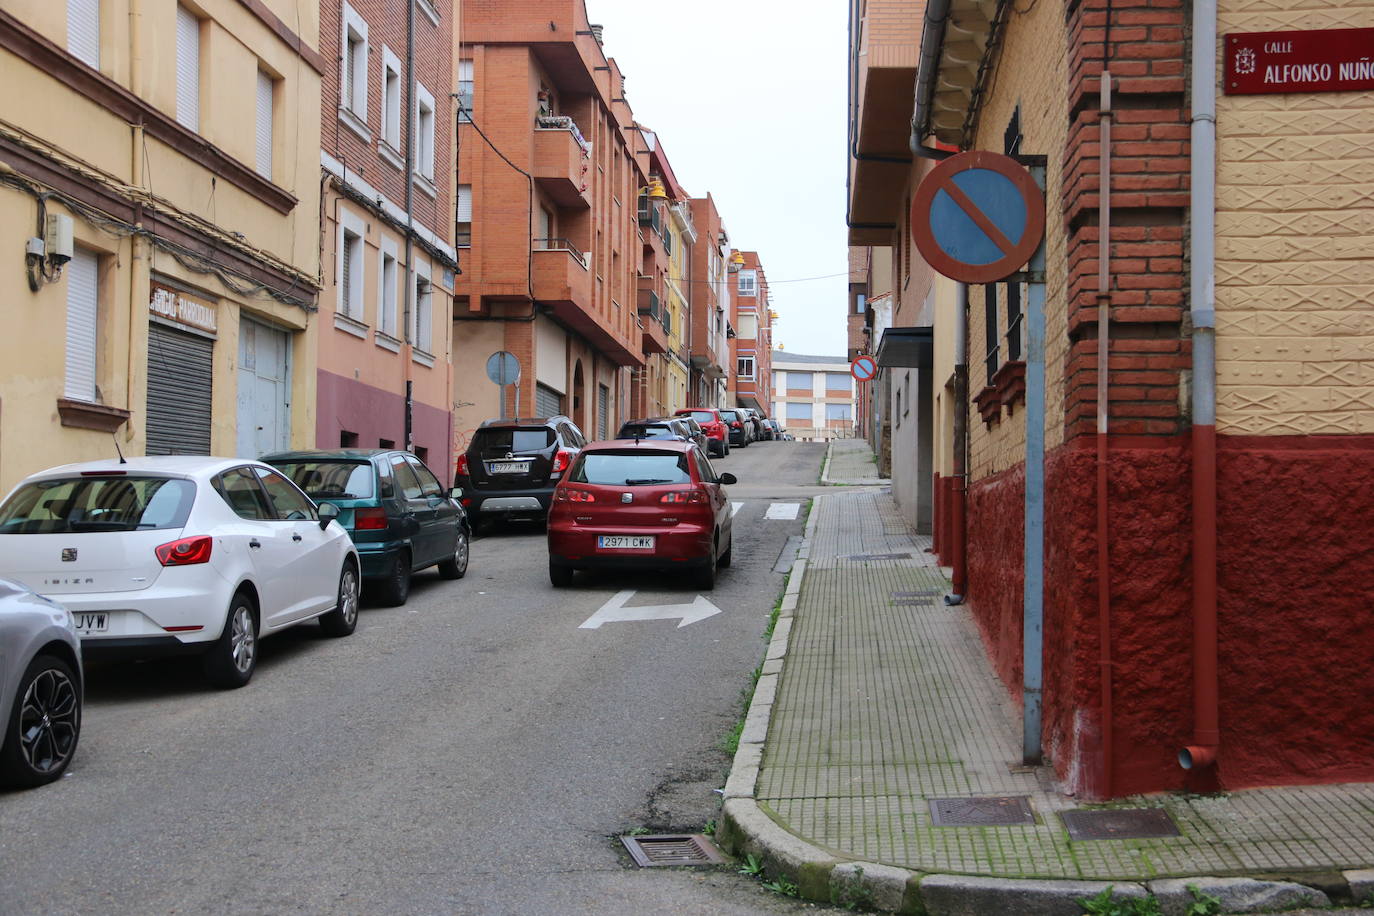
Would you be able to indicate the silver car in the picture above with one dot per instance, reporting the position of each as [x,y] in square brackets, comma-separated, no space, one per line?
[40,687]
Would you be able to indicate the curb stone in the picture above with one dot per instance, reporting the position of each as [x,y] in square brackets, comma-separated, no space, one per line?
[1361,884]
[964,895]
[1237,895]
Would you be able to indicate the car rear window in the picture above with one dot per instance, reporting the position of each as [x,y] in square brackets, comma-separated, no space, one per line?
[703,416]
[76,505]
[641,431]
[631,469]
[330,479]
[729,415]
[513,440]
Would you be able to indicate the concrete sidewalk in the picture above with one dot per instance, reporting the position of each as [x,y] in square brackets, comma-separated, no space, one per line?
[877,698]
[850,462]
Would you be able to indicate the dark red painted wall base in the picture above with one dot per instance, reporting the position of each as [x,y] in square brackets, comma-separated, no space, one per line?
[1296,580]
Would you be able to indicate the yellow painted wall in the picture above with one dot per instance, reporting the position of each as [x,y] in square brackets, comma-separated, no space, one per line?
[1295,232]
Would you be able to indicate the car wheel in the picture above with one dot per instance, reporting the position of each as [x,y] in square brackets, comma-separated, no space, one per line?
[232,657]
[704,577]
[457,566]
[394,587]
[44,725]
[560,576]
[728,557]
[343,620]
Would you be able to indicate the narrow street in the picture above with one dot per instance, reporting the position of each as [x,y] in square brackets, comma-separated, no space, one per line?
[472,751]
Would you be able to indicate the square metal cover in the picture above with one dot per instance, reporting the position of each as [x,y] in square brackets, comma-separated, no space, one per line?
[985,811]
[879,556]
[1119,823]
[672,849]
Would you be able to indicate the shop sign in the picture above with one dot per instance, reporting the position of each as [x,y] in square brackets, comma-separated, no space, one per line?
[183,308]
[1318,60]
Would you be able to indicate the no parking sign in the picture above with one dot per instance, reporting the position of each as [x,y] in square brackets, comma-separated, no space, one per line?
[863,368]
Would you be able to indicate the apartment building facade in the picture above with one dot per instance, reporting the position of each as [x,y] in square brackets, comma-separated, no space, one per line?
[389,264]
[549,169]
[711,297]
[168,302]
[813,396]
[752,344]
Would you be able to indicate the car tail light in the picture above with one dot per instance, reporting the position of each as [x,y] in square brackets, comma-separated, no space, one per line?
[573,496]
[735,424]
[683,496]
[186,552]
[373,519]
[561,460]
[462,469]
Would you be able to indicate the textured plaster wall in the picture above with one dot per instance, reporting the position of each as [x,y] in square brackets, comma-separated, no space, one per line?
[1295,227]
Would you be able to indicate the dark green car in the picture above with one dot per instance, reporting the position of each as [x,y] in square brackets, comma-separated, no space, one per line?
[401,518]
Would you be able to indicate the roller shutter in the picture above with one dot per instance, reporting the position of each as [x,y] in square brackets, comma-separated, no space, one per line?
[603,412]
[180,370]
[547,402]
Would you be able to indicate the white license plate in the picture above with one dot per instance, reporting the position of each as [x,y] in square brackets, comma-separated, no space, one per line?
[507,467]
[94,622]
[624,542]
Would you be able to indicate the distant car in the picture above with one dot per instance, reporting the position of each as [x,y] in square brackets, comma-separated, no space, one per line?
[755,420]
[777,429]
[646,504]
[511,467]
[698,434]
[741,431]
[401,518]
[180,554]
[40,687]
[715,428]
[765,429]
[663,427]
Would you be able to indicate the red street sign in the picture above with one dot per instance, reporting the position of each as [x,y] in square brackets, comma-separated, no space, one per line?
[1319,60]
[977,217]
[863,368]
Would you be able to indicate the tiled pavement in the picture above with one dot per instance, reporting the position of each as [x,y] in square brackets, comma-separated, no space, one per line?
[850,461]
[883,704]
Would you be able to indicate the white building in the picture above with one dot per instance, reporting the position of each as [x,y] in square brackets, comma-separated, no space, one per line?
[813,396]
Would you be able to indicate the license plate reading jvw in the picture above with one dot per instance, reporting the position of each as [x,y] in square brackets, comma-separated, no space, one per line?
[96,622]
[507,467]
[625,542]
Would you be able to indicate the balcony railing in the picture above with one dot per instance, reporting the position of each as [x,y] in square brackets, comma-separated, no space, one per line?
[649,304]
[560,245]
[563,122]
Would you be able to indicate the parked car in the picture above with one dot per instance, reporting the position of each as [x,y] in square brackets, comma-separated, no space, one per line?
[180,554]
[765,428]
[741,432]
[400,517]
[663,428]
[755,420]
[697,434]
[717,433]
[645,504]
[41,687]
[776,427]
[511,466]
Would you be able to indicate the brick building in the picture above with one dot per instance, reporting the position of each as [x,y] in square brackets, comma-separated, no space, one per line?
[549,180]
[711,294]
[813,396]
[752,344]
[389,263]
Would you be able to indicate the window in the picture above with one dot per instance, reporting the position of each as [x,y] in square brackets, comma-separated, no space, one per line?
[799,381]
[353,66]
[463,230]
[748,282]
[799,410]
[837,381]
[860,303]
[748,328]
[288,503]
[745,367]
[405,478]
[351,272]
[429,484]
[240,489]
[391,99]
[266,85]
[421,332]
[839,411]
[83,31]
[990,326]
[83,313]
[465,98]
[424,133]
[188,69]
[386,294]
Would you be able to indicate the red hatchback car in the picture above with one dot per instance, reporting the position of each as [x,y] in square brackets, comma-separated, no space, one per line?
[717,434]
[641,504]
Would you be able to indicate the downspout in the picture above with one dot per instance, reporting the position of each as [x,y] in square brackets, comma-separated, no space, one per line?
[932,41]
[140,268]
[1104,301]
[410,303]
[1202,753]
[959,585]
[1033,576]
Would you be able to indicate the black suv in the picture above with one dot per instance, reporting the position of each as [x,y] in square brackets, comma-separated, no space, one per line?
[741,430]
[511,467]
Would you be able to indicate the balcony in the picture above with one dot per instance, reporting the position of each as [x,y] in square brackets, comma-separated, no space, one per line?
[651,313]
[561,161]
[561,274]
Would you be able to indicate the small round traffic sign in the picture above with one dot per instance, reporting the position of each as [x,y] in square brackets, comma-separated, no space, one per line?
[863,368]
[978,217]
[503,368]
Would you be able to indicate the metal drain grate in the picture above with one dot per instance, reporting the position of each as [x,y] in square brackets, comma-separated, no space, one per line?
[879,556]
[987,811]
[672,849]
[1119,824]
[924,598]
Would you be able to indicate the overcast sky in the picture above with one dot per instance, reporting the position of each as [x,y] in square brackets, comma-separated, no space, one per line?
[748,99]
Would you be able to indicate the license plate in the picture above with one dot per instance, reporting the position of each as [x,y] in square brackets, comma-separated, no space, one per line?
[507,467]
[95,622]
[624,542]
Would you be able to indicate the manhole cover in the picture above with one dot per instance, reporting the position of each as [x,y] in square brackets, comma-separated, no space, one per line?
[987,811]
[672,849]
[879,556]
[1119,824]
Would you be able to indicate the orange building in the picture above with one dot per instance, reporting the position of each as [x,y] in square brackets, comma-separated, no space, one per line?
[752,346]
[548,186]
[710,285]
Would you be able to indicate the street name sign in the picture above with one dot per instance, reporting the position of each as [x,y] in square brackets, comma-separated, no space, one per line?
[1315,60]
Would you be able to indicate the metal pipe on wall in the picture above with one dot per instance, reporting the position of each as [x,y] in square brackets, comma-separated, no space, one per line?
[1104,581]
[1033,575]
[959,586]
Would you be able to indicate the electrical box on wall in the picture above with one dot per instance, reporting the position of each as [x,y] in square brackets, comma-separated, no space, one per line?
[59,239]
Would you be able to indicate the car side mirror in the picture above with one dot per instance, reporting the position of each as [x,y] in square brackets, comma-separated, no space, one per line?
[727,478]
[328,512]
[456,493]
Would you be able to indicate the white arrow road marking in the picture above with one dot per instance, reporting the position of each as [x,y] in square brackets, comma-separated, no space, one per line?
[784,511]
[735,507]
[615,611]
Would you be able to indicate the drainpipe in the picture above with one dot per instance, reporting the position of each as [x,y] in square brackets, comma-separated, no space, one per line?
[1033,576]
[410,303]
[1104,301]
[1202,753]
[959,586]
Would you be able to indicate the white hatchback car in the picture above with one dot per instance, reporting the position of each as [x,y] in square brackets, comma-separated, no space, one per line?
[179,553]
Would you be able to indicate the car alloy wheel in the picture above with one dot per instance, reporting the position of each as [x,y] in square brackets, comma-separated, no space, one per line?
[457,566]
[231,659]
[49,720]
[243,641]
[343,620]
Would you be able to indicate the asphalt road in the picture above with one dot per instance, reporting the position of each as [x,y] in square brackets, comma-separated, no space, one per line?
[474,751]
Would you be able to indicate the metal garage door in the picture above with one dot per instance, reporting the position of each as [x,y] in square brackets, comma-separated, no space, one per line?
[603,412]
[180,369]
[547,402]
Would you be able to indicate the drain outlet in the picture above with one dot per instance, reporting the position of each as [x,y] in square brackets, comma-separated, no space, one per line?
[672,849]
